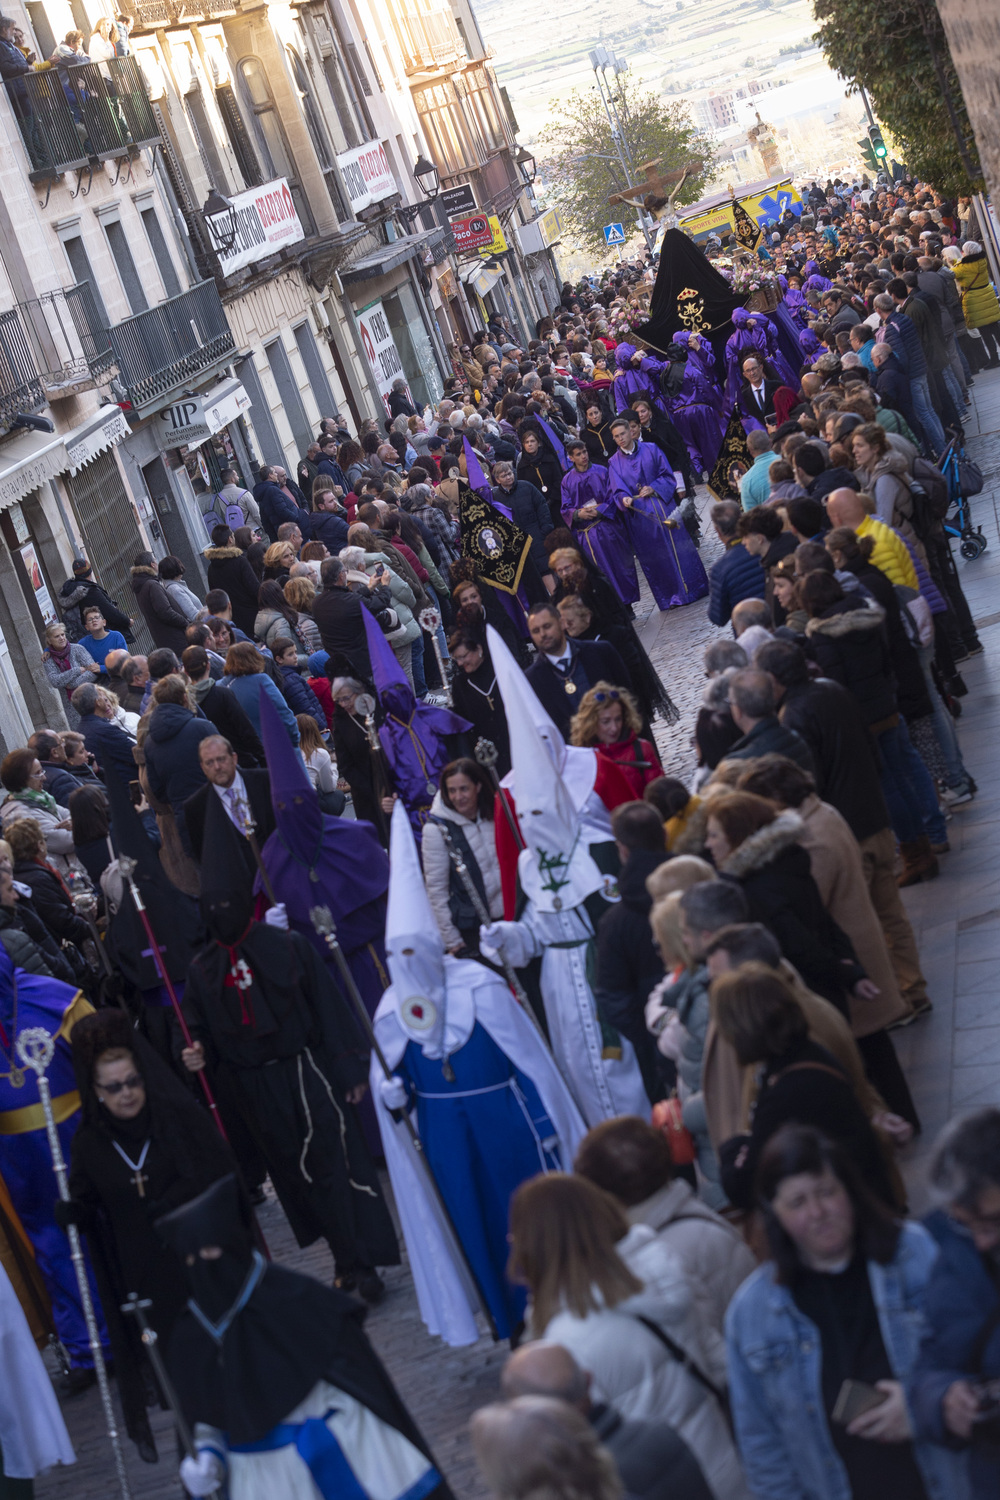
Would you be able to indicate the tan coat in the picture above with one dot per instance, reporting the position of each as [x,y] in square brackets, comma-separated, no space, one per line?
[839,874]
[729,1090]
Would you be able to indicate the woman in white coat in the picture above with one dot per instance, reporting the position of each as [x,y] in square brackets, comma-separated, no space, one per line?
[618,1299]
[461,817]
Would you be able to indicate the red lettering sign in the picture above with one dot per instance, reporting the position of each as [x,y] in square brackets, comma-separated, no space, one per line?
[471,233]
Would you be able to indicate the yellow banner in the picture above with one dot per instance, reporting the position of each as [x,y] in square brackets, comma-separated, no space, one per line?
[766,208]
[499,244]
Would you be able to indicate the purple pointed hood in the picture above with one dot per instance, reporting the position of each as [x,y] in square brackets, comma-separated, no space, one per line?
[809,342]
[413,735]
[474,469]
[682,337]
[554,440]
[296,805]
[740,317]
[391,685]
[623,355]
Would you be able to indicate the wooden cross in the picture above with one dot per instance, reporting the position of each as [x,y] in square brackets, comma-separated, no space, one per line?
[657,190]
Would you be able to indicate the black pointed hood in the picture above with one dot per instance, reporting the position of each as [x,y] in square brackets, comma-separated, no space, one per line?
[173,915]
[226,886]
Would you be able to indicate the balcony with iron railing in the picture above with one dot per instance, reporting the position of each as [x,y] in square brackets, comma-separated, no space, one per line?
[72,116]
[20,382]
[430,40]
[69,340]
[168,347]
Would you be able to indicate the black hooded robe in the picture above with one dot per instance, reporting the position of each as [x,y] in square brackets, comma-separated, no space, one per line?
[186,1153]
[277,1334]
[289,1050]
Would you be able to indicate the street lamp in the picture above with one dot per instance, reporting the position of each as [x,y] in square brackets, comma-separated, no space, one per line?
[527,163]
[222,222]
[427,177]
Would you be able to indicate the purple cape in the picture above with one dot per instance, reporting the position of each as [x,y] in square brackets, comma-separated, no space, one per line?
[604,540]
[669,560]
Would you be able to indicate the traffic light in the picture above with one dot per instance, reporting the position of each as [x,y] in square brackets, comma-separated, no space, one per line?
[879,147]
[870,159]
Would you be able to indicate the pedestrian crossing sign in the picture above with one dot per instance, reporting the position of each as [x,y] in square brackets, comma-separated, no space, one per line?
[614,234]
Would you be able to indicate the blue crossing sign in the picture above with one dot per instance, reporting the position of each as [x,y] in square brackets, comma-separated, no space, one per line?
[614,234]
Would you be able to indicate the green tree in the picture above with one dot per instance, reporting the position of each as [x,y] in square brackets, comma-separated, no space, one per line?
[907,70]
[580,164]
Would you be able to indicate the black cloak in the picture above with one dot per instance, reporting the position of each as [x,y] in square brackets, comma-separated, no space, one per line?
[279,1035]
[186,1154]
[689,293]
[292,1332]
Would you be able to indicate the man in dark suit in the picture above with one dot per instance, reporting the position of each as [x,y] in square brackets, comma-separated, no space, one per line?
[564,669]
[237,790]
[756,397]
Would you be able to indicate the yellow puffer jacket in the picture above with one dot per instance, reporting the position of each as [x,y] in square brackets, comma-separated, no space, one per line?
[979,300]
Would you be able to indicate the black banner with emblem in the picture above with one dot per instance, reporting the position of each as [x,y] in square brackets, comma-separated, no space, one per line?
[732,463]
[689,293]
[498,547]
[747,230]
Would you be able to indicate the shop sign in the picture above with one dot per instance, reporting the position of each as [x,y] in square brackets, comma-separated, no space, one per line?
[367,175]
[190,421]
[380,347]
[472,233]
[460,199]
[550,226]
[266,221]
[499,244]
[111,429]
[39,588]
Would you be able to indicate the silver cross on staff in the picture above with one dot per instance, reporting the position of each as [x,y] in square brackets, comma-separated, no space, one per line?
[36,1049]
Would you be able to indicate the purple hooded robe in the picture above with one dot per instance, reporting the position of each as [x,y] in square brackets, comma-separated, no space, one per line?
[605,539]
[696,410]
[673,569]
[630,382]
[413,734]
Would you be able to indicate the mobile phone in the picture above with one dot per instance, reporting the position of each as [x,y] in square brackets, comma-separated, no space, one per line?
[854,1398]
[135,793]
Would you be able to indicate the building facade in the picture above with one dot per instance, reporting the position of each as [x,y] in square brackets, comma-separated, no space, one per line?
[234,225]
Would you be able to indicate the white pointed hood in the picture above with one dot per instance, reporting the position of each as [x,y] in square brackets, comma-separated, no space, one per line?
[557,871]
[413,943]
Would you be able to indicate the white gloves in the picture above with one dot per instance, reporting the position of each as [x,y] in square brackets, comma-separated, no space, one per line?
[277,916]
[513,941]
[393,1093]
[203,1475]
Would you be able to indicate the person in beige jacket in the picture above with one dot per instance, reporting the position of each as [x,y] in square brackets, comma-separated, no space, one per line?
[730,1089]
[630,1159]
[835,857]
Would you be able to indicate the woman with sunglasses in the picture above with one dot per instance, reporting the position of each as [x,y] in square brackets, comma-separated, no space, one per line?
[609,722]
[143,1148]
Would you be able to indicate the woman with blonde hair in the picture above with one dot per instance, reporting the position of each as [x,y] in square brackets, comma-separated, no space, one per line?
[278,560]
[67,664]
[299,594]
[618,1300]
[608,721]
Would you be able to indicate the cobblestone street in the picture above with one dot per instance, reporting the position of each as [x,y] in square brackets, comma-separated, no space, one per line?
[952,1057]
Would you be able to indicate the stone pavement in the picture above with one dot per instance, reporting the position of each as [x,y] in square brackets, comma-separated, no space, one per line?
[952,1057]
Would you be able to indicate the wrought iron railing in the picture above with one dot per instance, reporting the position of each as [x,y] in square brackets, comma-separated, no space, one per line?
[430,38]
[20,382]
[69,339]
[165,348]
[70,115]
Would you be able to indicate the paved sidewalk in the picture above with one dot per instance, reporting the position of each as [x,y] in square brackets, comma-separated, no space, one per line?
[952,1057]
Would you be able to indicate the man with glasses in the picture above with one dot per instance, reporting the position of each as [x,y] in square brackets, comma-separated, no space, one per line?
[243,793]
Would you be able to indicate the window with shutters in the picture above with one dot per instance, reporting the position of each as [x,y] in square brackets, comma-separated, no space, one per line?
[359,72]
[271,141]
[374,67]
[120,249]
[239,136]
[338,93]
[162,256]
[318,133]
